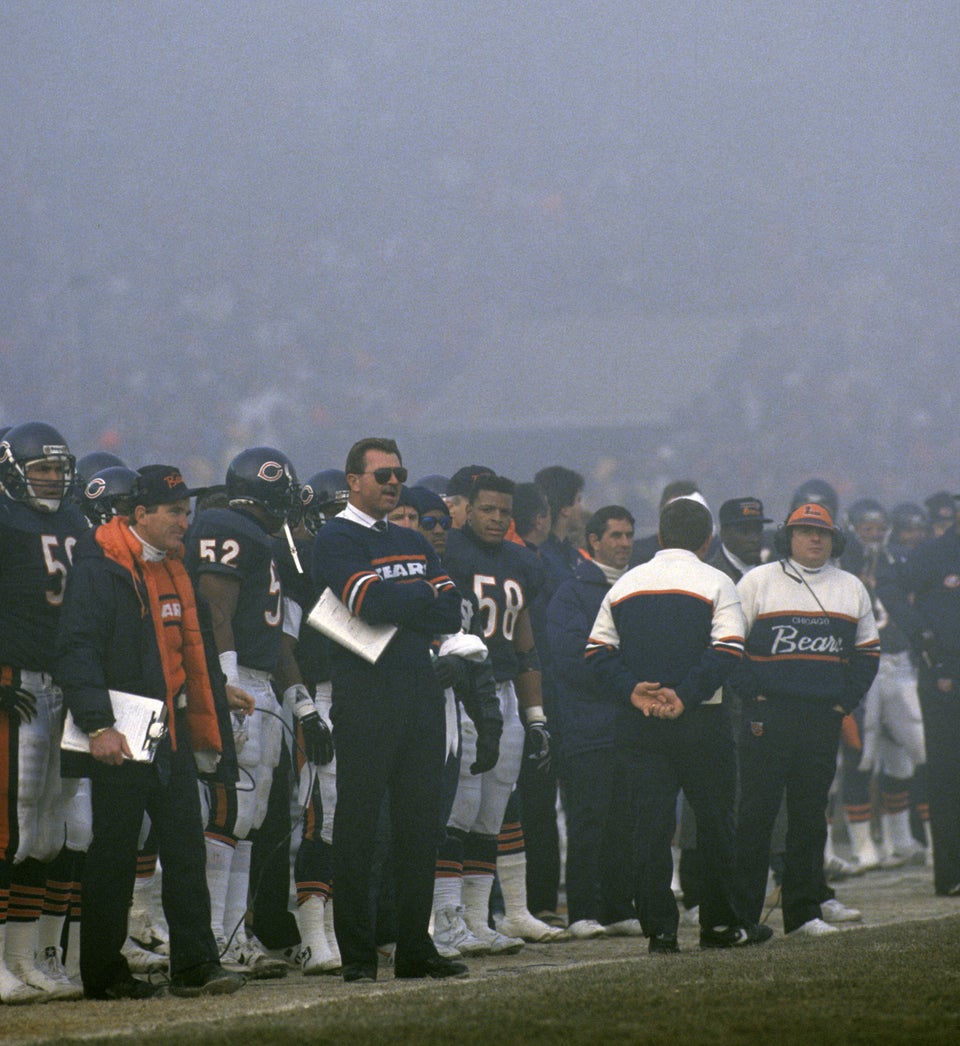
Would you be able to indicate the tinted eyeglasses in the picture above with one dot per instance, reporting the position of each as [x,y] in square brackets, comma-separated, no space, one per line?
[382,476]
[432,522]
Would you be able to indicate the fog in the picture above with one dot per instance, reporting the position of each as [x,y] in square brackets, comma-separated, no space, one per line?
[649,241]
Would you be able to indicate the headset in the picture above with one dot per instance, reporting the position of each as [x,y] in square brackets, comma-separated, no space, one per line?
[781,541]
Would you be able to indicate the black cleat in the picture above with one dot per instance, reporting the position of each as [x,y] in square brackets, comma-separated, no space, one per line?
[353,974]
[734,936]
[126,988]
[208,978]
[437,967]
[664,944]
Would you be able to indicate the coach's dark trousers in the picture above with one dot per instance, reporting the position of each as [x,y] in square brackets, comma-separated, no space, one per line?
[941,728]
[389,734]
[786,744]
[696,753]
[168,792]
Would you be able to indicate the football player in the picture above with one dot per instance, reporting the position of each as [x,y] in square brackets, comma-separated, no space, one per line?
[38,531]
[230,554]
[321,498]
[504,578]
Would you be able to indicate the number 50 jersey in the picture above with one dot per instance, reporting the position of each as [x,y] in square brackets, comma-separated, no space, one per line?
[504,578]
[36,551]
[230,543]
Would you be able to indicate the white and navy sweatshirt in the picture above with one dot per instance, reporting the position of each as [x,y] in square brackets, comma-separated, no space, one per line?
[811,634]
[674,621]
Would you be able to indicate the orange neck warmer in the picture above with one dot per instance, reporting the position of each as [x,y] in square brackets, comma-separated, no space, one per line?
[123,547]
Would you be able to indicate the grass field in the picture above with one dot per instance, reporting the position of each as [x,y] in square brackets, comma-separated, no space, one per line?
[894,982]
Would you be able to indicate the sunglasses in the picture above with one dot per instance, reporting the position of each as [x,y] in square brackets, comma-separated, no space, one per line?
[382,476]
[432,522]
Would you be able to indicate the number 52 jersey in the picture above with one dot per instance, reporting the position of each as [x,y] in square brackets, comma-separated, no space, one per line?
[230,543]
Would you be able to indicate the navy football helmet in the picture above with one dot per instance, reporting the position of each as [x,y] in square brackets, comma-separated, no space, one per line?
[29,444]
[266,477]
[90,464]
[108,494]
[816,492]
[907,515]
[866,509]
[434,482]
[323,495]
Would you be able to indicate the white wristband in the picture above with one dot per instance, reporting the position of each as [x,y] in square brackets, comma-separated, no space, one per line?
[297,698]
[228,665]
[534,714]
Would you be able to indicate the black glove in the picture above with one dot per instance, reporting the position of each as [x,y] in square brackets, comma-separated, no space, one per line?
[479,698]
[317,739]
[17,702]
[451,671]
[538,746]
[488,750]
[929,648]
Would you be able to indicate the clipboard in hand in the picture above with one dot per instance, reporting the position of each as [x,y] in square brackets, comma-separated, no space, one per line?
[332,618]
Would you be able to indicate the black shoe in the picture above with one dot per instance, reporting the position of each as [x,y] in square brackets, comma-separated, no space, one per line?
[359,974]
[208,978]
[734,936]
[126,988]
[437,967]
[664,944]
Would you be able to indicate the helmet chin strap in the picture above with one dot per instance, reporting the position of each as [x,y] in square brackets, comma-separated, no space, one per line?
[292,547]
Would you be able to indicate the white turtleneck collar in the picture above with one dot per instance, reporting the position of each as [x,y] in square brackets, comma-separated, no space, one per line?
[808,570]
[150,554]
[612,574]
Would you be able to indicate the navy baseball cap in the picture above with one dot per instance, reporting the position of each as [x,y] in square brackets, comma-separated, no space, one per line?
[160,485]
[462,481]
[424,501]
[742,510]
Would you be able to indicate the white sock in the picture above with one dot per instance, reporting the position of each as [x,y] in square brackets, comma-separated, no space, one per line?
[310,921]
[11,987]
[828,851]
[863,845]
[21,945]
[219,859]
[447,892]
[238,891]
[896,831]
[476,899]
[143,893]
[50,932]
[512,872]
[328,929]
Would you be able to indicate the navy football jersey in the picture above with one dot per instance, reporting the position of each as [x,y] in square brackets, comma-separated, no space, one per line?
[504,579]
[231,543]
[313,647]
[36,552]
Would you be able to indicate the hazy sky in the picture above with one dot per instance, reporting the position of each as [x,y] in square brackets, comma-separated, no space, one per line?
[313,199]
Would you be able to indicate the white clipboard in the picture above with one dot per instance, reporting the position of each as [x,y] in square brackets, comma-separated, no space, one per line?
[332,618]
[142,720]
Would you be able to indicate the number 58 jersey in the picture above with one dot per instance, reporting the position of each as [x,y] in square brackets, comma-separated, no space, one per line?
[505,578]
[36,552]
[232,544]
